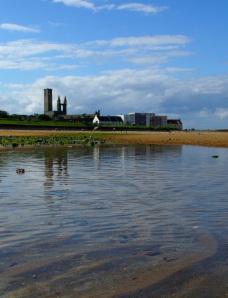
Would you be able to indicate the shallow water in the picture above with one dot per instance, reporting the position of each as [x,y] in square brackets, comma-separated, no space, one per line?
[80,217]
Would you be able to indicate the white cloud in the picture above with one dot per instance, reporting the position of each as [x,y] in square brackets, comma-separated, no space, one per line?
[18,28]
[21,64]
[106,7]
[133,6]
[28,47]
[154,42]
[30,54]
[222,113]
[149,60]
[56,24]
[27,54]
[112,91]
[33,64]
[77,3]
[141,8]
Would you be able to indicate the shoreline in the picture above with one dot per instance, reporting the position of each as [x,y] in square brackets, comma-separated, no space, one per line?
[208,139]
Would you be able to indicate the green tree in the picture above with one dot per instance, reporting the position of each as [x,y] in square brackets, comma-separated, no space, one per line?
[44,117]
[3,114]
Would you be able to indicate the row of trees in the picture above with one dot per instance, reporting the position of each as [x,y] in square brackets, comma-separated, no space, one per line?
[4,114]
[83,118]
[42,117]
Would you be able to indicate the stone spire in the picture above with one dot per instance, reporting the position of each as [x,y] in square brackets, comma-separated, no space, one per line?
[65,106]
[59,105]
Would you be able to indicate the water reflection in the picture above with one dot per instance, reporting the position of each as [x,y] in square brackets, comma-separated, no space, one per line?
[115,201]
[56,164]
[133,151]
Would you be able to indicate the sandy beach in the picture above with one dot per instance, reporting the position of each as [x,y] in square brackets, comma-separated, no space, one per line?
[217,139]
[205,138]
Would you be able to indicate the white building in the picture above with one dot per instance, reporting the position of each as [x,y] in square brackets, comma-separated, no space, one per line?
[107,120]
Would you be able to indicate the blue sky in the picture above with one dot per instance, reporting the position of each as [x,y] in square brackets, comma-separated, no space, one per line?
[163,56]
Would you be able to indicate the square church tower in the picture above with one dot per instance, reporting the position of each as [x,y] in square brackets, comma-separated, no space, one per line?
[47,100]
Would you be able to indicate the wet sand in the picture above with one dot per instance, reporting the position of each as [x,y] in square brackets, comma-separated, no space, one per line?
[200,274]
[204,138]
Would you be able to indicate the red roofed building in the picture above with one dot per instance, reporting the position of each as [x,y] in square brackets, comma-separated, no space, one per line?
[175,123]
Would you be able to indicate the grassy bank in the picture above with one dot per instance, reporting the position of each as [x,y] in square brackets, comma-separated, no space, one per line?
[15,141]
[43,123]
[27,137]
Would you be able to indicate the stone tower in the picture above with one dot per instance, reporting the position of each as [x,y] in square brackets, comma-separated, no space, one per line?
[65,106]
[47,100]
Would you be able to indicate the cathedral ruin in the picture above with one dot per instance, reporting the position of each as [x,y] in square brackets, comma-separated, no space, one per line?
[48,105]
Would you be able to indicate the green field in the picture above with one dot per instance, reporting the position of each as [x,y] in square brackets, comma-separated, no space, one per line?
[41,123]
[78,125]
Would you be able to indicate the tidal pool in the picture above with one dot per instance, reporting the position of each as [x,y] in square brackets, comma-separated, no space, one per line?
[114,221]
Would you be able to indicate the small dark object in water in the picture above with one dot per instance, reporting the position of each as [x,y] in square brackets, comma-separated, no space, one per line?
[169,259]
[20,171]
[153,254]
[215,156]
[13,264]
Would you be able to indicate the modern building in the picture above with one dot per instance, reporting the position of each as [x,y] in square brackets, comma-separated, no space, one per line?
[151,119]
[158,121]
[143,119]
[48,105]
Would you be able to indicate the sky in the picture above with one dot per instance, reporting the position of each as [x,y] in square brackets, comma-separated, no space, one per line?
[169,57]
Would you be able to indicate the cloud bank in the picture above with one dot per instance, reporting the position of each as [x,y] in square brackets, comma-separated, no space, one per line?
[141,80]
[29,54]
